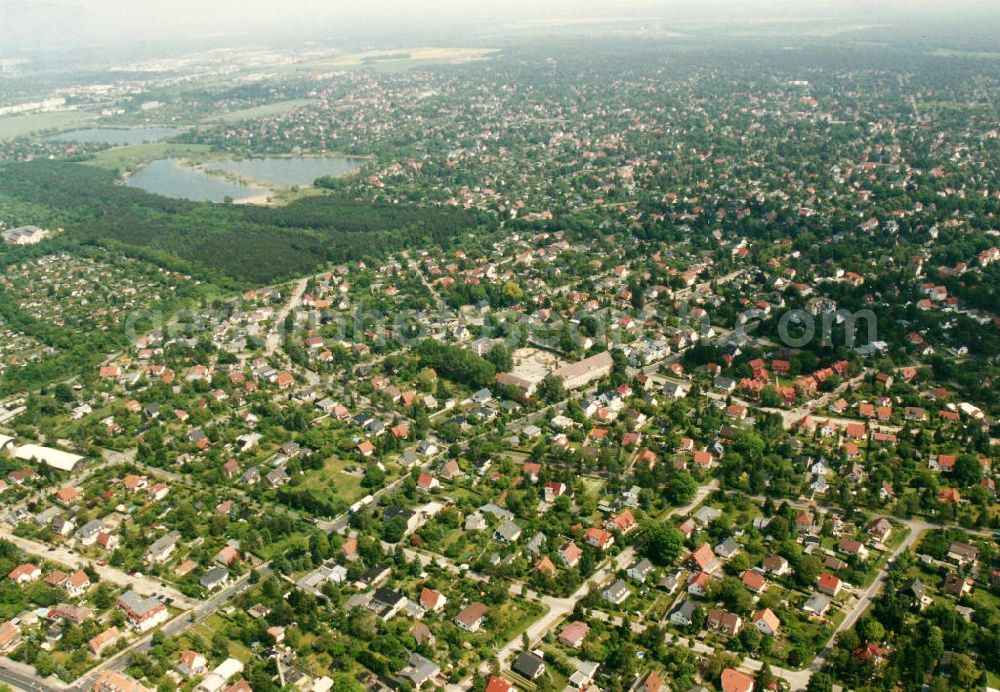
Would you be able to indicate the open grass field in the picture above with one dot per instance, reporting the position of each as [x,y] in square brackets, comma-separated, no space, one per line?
[212,624]
[595,486]
[17,125]
[259,111]
[130,157]
[335,475]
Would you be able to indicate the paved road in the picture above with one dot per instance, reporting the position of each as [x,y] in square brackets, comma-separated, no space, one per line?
[143,585]
[173,628]
[799,679]
[21,677]
[415,268]
[559,608]
[278,328]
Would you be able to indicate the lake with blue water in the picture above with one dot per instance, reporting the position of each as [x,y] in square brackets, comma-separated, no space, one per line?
[289,171]
[168,178]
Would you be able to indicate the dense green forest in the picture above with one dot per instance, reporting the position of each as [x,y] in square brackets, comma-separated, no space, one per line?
[226,244]
[348,216]
[456,363]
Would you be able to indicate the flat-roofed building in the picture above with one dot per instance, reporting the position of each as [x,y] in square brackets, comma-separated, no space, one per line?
[583,372]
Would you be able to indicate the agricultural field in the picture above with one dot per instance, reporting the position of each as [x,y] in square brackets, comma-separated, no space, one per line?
[12,126]
[406,59]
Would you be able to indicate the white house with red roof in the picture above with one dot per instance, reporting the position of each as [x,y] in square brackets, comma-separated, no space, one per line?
[432,599]
[829,584]
[599,538]
[702,558]
[25,573]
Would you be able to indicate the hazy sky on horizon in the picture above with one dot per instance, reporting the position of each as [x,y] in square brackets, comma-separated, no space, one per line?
[30,24]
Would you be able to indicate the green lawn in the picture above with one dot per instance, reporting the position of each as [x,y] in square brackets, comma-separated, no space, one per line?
[214,623]
[517,616]
[334,473]
[595,486]
[272,550]
[129,157]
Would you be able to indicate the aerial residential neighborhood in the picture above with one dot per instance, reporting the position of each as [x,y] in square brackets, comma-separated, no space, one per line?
[634,359]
